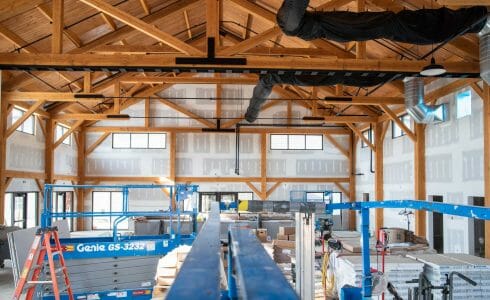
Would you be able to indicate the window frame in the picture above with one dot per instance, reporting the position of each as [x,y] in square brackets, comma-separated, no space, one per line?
[25,212]
[394,125]
[147,140]
[111,218]
[64,130]
[287,143]
[369,137]
[22,126]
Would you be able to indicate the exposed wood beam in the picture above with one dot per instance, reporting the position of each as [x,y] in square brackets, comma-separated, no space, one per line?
[254,189]
[399,122]
[81,156]
[350,119]
[263,166]
[215,179]
[187,113]
[420,179]
[147,113]
[67,133]
[352,178]
[142,26]
[16,40]
[264,107]
[342,189]
[109,21]
[24,117]
[188,24]
[272,189]
[361,46]
[378,175]
[361,136]
[164,62]
[145,6]
[291,130]
[333,4]
[337,145]
[251,42]
[3,151]
[58,24]
[87,82]
[213,21]
[12,8]
[41,125]
[47,12]
[96,144]
[478,90]
[463,2]
[48,175]
[486,160]
[192,80]
[25,175]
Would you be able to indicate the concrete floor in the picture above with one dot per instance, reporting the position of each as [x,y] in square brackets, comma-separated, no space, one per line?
[6,282]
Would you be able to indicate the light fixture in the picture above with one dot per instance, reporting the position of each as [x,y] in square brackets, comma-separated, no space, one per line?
[433,69]
[118,116]
[312,118]
[88,96]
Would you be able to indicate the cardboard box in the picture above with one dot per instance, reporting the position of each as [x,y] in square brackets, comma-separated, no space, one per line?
[282,237]
[284,244]
[165,281]
[166,272]
[292,237]
[287,230]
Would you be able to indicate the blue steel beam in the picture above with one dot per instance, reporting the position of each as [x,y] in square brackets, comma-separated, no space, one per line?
[199,277]
[257,275]
[468,211]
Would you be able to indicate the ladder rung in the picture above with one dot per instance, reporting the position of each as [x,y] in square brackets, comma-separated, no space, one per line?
[40,282]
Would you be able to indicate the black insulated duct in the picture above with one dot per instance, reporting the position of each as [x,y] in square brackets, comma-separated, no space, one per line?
[422,27]
[266,82]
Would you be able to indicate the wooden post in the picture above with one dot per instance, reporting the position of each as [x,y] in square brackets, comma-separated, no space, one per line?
[58,24]
[352,179]
[3,151]
[378,176]
[361,46]
[213,21]
[81,175]
[419,177]
[49,152]
[263,166]
[486,164]
[172,158]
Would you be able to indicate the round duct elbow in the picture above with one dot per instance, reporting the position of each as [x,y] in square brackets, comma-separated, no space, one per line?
[415,103]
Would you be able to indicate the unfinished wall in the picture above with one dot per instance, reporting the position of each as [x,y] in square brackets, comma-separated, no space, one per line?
[211,154]
[454,169]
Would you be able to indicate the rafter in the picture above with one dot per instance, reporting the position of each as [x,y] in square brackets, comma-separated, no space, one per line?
[337,145]
[187,113]
[251,42]
[97,143]
[361,136]
[142,26]
[399,122]
[47,12]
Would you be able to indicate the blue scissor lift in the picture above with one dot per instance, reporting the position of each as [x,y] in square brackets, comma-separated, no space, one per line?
[119,245]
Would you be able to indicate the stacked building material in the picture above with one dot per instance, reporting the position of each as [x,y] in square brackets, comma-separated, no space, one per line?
[167,270]
[476,268]
[398,270]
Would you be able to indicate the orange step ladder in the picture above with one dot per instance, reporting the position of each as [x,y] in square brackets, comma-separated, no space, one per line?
[42,247]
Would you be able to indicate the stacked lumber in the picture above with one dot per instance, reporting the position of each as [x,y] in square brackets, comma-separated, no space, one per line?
[167,270]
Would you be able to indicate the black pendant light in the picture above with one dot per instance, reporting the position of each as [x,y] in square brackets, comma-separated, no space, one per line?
[433,69]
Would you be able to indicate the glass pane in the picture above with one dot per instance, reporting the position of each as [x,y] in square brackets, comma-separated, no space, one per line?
[139,140]
[314,142]
[314,197]
[463,104]
[59,132]
[16,114]
[31,210]
[157,141]
[101,203]
[28,126]
[8,209]
[245,196]
[19,211]
[397,131]
[406,120]
[67,141]
[279,142]
[296,142]
[59,202]
[337,198]
[121,140]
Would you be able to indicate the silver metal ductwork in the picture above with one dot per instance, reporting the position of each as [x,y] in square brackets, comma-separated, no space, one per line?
[485,52]
[416,106]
